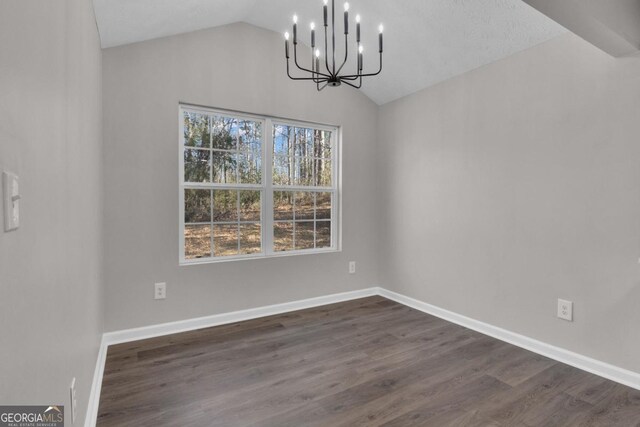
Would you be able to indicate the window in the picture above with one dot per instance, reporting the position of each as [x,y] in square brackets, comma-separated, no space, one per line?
[254,186]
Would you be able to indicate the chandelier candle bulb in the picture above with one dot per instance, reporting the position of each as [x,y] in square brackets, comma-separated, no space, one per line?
[295,29]
[286,45]
[380,37]
[313,35]
[358,29]
[324,10]
[346,18]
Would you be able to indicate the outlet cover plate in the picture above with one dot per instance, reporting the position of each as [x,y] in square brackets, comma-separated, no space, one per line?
[160,291]
[565,310]
[352,267]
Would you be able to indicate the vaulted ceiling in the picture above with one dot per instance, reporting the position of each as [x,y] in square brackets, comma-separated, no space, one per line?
[426,41]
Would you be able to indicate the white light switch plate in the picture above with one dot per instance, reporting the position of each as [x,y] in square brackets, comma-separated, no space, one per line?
[11,201]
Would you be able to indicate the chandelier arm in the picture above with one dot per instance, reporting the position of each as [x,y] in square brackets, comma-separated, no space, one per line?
[317,78]
[322,87]
[313,68]
[353,76]
[346,52]
[302,78]
[333,34]
[352,85]
[365,75]
[326,56]
[295,59]
[308,78]
[377,72]
[315,74]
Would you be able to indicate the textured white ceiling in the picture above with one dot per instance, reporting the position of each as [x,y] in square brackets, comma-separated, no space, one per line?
[426,41]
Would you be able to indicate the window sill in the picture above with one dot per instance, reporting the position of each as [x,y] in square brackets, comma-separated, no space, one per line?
[200,261]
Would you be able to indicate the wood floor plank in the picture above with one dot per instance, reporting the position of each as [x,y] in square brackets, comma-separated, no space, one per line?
[519,403]
[619,408]
[444,408]
[560,410]
[593,390]
[366,362]
[520,368]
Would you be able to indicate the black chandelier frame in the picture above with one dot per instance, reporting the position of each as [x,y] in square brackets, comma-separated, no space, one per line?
[332,75]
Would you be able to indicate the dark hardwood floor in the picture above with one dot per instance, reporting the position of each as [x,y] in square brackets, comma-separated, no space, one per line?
[368,362]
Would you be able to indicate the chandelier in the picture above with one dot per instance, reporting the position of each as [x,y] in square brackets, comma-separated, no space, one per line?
[329,73]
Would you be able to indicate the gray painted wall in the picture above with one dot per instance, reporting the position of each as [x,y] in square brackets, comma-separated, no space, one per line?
[50,134]
[230,67]
[516,184]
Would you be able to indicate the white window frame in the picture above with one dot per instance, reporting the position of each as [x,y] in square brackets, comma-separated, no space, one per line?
[266,187]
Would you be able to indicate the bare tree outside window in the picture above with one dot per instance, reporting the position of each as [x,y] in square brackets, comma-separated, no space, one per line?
[225,182]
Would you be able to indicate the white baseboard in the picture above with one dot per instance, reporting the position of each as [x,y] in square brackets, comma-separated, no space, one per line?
[96,386]
[611,372]
[602,369]
[152,331]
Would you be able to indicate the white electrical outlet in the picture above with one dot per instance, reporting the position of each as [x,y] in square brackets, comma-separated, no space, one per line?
[160,291]
[565,310]
[11,192]
[74,400]
[352,267]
